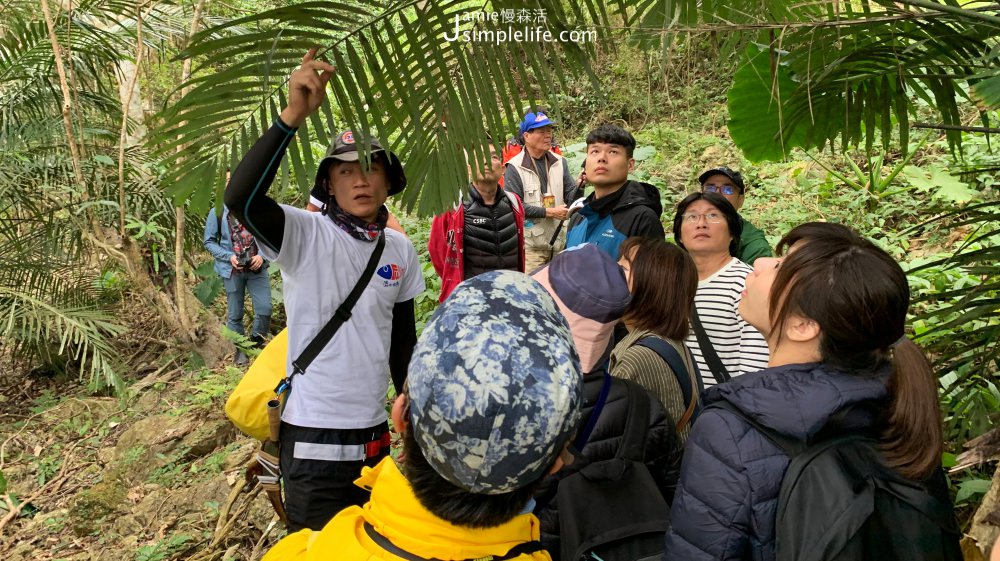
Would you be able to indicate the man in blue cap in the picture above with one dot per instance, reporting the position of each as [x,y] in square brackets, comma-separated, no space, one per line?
[541,178]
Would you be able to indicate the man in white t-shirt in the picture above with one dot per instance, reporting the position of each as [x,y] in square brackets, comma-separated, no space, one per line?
[334,421]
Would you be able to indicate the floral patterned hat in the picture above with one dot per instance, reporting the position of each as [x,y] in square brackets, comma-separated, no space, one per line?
[495,385]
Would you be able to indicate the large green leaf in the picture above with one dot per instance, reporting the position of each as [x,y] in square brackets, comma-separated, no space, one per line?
[989,90]
[756,113]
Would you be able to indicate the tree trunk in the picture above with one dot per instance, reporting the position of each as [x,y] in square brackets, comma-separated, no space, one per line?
[181,290]
[986,523]
[104,238]
[130,94]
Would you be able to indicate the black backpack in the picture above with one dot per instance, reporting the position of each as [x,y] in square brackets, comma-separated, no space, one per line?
[839,501]
[613,508]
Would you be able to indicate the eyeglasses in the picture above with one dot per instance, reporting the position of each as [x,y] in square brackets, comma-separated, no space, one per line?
[724,189]
[710,217]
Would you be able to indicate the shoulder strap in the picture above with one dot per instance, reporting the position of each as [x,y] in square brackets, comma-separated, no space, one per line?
[342,314]
[707,350]
[602,398]
[789,446]
[525,548]
[636,424]
[673,359]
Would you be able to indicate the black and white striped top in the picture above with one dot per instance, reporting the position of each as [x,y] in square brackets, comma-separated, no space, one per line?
[741,348]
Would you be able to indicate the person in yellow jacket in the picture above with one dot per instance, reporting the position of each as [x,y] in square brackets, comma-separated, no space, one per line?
[493,396]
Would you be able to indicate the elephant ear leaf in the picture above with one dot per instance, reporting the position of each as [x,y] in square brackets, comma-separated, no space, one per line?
[757,123]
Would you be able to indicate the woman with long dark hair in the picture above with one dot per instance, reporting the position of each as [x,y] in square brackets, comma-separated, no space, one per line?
[833,313]
[663,280]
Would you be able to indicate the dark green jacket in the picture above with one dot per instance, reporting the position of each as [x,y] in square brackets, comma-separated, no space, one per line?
[753,244]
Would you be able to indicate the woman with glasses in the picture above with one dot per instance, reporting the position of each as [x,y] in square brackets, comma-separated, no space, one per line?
[723,344]
[730,185]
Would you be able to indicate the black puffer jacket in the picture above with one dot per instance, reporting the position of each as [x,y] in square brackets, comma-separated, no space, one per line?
[662,455]
[491,240]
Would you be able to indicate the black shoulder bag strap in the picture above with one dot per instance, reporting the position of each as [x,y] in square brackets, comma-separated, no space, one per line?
[633,446]
[711,357]
[674,360]
[342,314]
[526,548]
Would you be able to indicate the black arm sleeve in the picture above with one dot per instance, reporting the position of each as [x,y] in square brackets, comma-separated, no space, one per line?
[402,341]
[246,194]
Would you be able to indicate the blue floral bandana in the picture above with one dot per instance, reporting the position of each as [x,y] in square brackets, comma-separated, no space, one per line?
[494,384]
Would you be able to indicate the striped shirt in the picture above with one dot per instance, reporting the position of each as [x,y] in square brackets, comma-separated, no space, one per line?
[644,366]
[740,347]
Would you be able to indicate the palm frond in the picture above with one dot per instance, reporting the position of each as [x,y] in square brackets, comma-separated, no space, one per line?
[398,79]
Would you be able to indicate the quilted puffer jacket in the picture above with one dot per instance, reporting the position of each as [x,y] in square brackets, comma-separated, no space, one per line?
[727,498]
[662,454]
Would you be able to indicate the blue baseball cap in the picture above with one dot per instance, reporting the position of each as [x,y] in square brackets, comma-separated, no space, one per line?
[533,121]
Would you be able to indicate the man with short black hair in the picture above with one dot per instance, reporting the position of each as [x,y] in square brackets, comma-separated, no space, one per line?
[541,178]
[730,185]
[334,421]
[484,232]
[492,399]
[618,208]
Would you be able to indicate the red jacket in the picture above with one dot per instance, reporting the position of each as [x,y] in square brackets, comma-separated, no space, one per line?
[447,242]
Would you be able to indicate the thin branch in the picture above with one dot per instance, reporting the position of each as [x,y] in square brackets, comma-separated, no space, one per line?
[67,96]
[180,288]
[963,128]
[139,52]
[953,10]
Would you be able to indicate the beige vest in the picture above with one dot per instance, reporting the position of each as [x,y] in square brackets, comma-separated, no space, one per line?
[537,236]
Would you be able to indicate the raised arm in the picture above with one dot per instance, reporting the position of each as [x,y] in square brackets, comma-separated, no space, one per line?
[246,194]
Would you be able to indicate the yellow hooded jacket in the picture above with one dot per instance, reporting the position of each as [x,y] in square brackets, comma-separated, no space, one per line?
[395,513]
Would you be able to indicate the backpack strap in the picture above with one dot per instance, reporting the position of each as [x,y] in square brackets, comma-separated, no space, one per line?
[525,548]
[789,446]
[711,357]
[673,359]
[633,445]
[602,398]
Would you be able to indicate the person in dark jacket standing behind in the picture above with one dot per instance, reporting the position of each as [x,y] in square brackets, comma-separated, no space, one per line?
[833,312]
[730,185]
[485,232]
[591,291]
[618,208]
